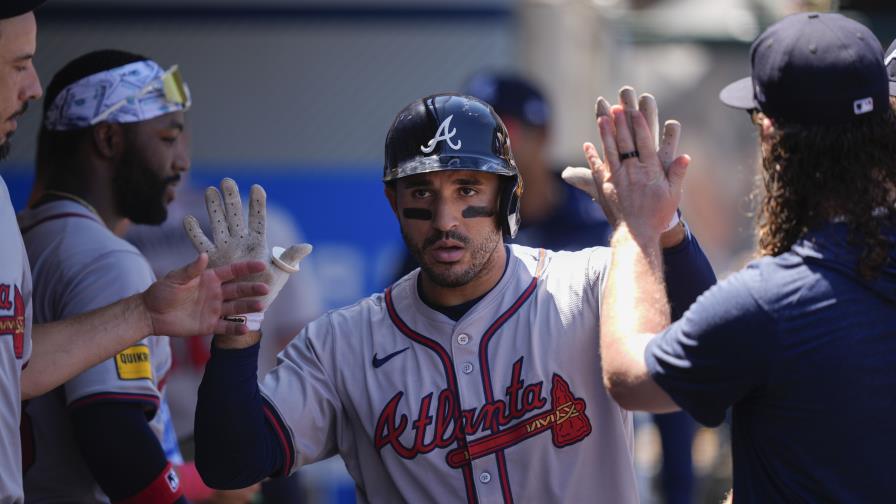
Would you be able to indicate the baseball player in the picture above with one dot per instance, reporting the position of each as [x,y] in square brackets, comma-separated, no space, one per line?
[34,359]
[799,346]
[475,378]
[107,156]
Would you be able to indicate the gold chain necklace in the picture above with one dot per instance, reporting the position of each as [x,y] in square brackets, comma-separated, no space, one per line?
[74,198]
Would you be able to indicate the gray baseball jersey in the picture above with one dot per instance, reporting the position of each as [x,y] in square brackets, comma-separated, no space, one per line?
[15,347]
[506,404]
[80,265]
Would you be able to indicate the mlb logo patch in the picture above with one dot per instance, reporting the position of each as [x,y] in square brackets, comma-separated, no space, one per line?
[172,479]
[863,106]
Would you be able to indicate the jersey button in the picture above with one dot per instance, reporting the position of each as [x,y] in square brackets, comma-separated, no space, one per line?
[463,339]
[485,477]
[467,367]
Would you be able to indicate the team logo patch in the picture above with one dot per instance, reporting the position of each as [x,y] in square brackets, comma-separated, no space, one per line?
[13,325]
[502,422]
[442,134]
[172,480]
[133,363]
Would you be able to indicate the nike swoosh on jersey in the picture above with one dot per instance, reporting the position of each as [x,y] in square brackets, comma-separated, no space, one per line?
[379,362]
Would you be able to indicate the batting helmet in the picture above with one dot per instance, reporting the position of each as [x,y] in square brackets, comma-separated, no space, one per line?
[455,132]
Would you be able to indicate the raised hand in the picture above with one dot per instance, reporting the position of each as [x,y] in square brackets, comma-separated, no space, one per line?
[634,185]
[584,178]
[235,240]
[191,301]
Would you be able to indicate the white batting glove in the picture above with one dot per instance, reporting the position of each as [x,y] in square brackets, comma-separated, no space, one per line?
[581,178]
[236,241]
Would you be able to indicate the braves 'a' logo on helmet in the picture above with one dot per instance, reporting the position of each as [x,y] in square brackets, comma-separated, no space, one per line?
[442,134]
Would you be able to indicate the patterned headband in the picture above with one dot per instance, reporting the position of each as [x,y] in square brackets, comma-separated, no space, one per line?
[131,93]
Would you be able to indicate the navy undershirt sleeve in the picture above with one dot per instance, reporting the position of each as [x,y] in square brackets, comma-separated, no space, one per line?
[121,451]
[688,274]
[235,445]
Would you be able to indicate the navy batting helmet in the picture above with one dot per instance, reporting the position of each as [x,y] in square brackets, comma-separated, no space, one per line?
[455,132]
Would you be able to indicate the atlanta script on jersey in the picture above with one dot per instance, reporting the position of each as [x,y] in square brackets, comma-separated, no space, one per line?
[504,405]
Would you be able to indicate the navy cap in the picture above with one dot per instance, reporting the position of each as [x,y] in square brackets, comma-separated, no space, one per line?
[13,8]
[510,96]
[890,62]
[813,68]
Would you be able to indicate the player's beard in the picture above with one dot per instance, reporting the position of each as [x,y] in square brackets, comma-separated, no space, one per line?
[139,190]
[448,276]
[6,146]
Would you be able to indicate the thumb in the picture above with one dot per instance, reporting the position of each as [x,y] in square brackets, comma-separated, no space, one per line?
[184,275]
[581,179]
[677,171]
[294,254]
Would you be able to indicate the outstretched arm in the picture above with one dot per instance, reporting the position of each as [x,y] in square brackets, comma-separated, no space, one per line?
[187,302]
[634,305]
[236,445]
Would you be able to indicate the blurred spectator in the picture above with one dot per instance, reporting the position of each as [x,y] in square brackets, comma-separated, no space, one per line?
[554,215]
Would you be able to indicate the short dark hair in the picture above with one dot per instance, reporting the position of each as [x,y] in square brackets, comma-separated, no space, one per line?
[57,147]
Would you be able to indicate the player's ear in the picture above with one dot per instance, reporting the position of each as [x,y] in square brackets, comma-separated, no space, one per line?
[108,139]
[389,191]
[768,126]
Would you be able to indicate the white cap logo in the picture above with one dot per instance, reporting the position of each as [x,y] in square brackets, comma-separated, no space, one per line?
[442,134]
[863,106]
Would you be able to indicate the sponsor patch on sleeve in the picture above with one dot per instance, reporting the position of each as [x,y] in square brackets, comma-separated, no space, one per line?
[133,363]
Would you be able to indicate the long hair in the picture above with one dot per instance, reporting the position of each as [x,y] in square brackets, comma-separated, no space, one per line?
[814,174]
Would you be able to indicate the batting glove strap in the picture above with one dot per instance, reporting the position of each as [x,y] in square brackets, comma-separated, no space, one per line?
[251,320]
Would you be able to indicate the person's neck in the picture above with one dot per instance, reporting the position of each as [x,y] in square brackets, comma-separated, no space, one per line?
[96,195]
[488,277]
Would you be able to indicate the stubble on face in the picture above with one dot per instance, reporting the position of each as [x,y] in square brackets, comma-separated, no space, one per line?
[453,275]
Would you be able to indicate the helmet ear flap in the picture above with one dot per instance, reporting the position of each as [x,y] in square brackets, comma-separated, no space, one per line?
[509,204]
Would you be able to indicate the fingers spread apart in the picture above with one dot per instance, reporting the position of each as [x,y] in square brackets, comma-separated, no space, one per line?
[233,207]
[669,144]
[217,217]
[647,106]
[257,212]
[200,242]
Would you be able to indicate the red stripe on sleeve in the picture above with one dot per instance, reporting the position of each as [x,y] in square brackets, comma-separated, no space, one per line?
[165,489]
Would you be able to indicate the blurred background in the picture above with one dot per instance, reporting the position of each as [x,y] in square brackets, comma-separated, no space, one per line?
[297,95]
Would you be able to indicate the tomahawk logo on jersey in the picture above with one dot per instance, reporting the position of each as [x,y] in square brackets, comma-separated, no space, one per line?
[565,417]
[13,324]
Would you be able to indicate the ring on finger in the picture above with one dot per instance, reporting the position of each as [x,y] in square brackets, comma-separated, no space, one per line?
[626,155]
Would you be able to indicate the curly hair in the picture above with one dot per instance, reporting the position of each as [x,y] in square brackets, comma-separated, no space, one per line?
[845,172]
